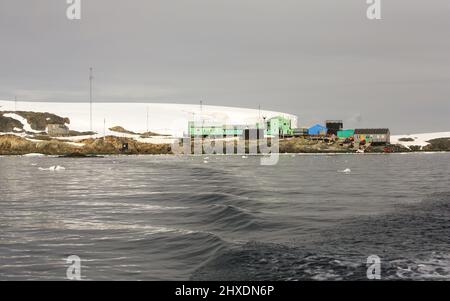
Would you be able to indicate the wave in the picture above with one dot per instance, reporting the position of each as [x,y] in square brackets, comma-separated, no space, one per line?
[341,252]
[232,217]
[274,262]
[435,266]
[268,262]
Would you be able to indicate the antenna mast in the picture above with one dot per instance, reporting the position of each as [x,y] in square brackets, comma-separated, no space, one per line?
[147,118]
[90,97]
[201,114]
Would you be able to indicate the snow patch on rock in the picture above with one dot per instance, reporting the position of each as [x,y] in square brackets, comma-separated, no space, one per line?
[23,121]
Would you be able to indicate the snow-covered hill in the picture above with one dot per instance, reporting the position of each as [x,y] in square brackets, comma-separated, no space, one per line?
[418,139]
[170,119]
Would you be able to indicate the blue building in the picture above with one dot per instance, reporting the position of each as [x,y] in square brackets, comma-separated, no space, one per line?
[317,130]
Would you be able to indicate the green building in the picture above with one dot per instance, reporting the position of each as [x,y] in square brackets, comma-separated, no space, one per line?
[345,134]
[274,126]
[197,129]
[279,125]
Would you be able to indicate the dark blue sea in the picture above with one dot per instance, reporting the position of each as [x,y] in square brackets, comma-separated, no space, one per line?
[226,217]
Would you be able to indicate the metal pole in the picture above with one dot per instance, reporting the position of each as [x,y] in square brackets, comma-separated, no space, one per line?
[90,98]
[147,119]
[201,115]
[259,116]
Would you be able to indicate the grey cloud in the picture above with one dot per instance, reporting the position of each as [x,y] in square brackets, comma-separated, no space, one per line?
[318,58]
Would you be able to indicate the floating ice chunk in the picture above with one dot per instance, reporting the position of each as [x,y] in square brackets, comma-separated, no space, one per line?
[53,168]
[204,161]
[34,155]
[244,157]
[347,170]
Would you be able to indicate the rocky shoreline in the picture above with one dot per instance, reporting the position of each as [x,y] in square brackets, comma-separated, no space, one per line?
[111,145]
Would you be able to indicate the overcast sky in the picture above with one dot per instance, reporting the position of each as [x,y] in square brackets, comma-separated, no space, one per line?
[317,59]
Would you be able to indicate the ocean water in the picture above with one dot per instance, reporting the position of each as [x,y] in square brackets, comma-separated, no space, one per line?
[179,218]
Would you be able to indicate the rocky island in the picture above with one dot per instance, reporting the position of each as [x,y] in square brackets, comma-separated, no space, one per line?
[25,132]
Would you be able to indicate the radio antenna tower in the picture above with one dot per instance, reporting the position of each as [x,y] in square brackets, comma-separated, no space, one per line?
[147,118]
[201,113]
[90,98]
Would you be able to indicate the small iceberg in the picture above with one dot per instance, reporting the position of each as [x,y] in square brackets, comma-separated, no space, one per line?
[53,168]
[347,170]
[34,155]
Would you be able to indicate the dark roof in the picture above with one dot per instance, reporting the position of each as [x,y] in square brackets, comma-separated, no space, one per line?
[371,131]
